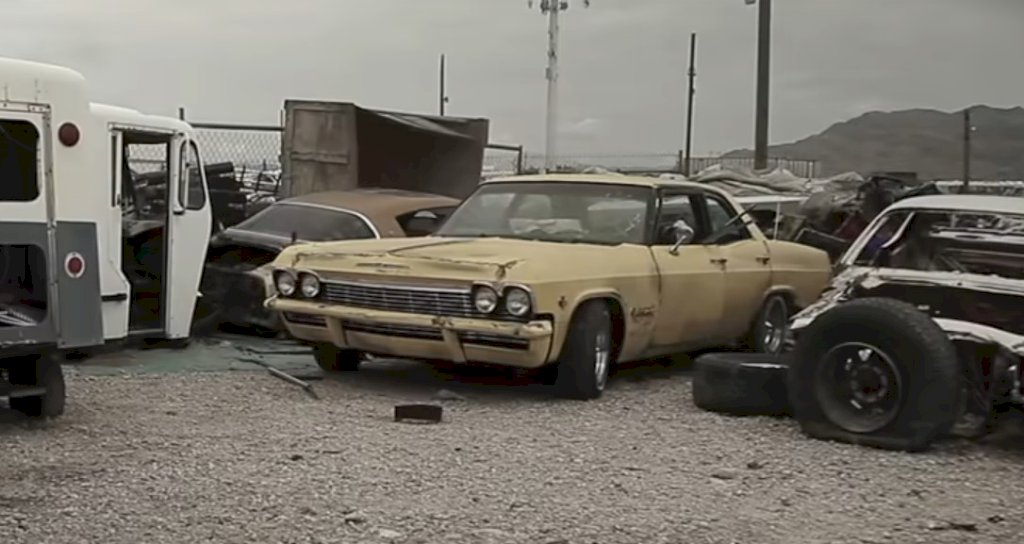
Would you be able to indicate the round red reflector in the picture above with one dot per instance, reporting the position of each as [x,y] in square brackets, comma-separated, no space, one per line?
[68,134]
[74,264]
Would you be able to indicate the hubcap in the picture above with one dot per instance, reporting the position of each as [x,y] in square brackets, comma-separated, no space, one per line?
[602,354]
[859,387]
[776,319]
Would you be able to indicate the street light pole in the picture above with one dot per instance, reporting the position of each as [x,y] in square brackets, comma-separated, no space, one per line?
[692,75]
[764,40]
[552,8]
[444,92]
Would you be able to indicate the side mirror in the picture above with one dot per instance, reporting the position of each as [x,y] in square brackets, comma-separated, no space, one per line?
[684,235]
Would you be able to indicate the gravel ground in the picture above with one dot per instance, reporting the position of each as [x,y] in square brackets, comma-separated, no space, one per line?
[243,457]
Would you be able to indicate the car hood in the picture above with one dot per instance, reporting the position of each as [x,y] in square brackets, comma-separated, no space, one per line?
[260,240]
[453,258]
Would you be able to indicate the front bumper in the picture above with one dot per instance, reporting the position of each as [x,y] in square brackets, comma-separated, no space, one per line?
[239,295]
[418,336]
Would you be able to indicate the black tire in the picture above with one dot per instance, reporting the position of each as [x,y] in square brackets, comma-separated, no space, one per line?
[895,341]
[741,384]
[206,317]
[331,358]
[579,374]
[44,371]
[768,332]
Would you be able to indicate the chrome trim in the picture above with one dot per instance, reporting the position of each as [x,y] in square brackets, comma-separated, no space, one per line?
[358,215]
[501,286]
[298,282]
[357,283]
[290,272]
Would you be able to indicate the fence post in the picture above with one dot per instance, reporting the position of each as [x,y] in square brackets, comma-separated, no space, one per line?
[519,160]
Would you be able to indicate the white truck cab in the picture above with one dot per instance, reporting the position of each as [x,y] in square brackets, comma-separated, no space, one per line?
[104,223]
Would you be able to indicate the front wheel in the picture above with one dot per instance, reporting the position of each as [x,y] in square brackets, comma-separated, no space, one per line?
[331,358]
[587,353]
[877,372]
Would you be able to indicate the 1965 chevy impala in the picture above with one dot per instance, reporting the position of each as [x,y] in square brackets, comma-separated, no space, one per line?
[570,272]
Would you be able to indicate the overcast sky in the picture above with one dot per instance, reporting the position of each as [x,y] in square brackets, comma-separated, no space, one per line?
[623,61]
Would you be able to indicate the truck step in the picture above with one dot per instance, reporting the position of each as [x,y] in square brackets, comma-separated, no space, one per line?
[19,391]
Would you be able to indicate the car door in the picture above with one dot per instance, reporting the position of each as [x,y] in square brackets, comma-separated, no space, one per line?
[691,278]
[746,262]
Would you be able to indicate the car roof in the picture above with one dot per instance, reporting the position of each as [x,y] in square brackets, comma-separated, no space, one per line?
[966,203]
[617,179]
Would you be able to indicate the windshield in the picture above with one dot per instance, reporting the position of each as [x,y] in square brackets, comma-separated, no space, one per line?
[947,240]
[308,223]
[597,213]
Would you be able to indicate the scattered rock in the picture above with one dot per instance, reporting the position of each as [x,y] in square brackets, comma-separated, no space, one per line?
[724,475]
[355,518]
[996,519]
[389,534]
[754,465]
[953,526]
[295,457]
[445,394]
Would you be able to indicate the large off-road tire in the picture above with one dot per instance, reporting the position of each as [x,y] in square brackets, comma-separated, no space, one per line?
[876,372]
[587,353]
[41,371]
[768,332]
[741,384]
[331,358]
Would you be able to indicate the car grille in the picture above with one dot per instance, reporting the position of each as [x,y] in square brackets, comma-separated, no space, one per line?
[415,300]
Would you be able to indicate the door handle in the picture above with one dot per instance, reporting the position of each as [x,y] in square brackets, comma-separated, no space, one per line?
[719,261]
[764,260]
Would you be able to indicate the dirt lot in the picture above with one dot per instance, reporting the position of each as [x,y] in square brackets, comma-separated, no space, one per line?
[215,455]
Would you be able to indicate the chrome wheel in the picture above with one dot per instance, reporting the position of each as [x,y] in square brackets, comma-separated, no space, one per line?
[775,322]
[859,387]
[602,357]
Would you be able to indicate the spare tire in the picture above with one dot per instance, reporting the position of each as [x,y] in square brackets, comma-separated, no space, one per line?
[741,384]
[877,372]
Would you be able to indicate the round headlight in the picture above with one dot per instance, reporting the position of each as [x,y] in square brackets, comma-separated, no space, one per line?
[285,283]
[309,285]
[485,299]
[517,301]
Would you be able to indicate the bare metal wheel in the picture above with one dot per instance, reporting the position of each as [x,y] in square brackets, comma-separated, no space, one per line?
[768,334]
[859,387]
[776,319]
[602,357]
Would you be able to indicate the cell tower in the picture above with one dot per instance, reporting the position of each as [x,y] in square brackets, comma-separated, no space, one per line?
[552,8]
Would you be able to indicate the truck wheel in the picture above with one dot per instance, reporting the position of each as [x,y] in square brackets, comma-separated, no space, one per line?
[331,358]
[876,372]
[587,353]
[768,334]
[741,384]
[40,371]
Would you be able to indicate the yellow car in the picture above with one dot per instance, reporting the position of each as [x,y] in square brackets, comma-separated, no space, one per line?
[571,272]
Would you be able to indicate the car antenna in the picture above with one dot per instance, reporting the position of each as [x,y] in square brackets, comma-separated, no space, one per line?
[295,237]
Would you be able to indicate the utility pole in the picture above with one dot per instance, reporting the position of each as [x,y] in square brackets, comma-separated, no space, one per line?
[764,41]
[692,75]
[967,150]
[443,97]
[552,8]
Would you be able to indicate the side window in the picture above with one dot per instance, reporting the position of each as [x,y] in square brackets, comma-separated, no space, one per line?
[725,227]
[191,182]
[674,207]
[19,153]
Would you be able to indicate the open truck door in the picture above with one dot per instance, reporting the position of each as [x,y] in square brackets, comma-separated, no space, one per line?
[188,236]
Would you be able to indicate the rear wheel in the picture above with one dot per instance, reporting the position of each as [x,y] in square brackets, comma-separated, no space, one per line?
[331,358]
[768,334]
[587,353]
[38,371]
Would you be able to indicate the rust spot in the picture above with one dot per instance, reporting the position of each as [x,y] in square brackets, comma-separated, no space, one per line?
[562,302]
[637,314]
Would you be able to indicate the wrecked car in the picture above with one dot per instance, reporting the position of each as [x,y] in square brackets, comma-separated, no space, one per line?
[571,273]
[237,276]
[921,329]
